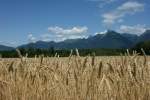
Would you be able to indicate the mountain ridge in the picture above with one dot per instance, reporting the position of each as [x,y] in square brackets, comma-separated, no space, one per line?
[111,39]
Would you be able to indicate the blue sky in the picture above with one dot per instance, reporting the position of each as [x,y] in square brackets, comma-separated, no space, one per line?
[23,21]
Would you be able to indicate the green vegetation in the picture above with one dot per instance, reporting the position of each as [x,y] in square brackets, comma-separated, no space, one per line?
[63,53]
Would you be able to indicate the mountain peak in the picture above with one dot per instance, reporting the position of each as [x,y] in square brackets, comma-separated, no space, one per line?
[147,31]
[145,36]
[110,31]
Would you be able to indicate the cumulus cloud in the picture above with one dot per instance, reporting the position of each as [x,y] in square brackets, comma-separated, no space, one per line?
[51,37]
[128,8]
[131,6]
[31,38]
[46,37]
[136,29]
[74,30]
[59,34]
[110,18]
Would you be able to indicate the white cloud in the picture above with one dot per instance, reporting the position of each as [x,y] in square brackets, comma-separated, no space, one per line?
[60,33]
[110,18]
[46,37]
[136,29]
[128,8]
[103,32]
[74,30]
[31,38]
[131,6]
[51,37]
[76,36]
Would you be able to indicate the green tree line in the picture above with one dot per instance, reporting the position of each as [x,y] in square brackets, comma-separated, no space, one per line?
[31,52]
[51,52]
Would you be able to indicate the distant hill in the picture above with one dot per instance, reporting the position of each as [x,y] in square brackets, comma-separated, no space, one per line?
[131,37]
[5,48]
[38,44]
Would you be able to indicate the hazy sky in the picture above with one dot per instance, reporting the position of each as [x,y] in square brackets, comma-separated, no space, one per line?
[23,21]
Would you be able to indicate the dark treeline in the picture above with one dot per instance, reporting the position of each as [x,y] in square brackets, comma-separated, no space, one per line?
[145,45]
[31,52]
[51,52]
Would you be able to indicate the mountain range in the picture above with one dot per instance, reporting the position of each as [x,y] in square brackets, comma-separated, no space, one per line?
[110,39]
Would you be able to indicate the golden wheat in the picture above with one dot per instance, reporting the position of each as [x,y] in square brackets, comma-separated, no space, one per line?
[75,78]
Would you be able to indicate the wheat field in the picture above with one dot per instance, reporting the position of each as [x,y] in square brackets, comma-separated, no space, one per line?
[75,78]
